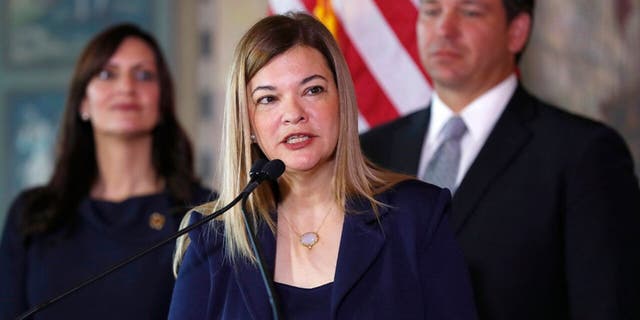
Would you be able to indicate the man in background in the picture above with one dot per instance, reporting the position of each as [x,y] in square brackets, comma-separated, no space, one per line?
[546,205]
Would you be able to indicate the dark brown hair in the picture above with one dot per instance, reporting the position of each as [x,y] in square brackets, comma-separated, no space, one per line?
[75,170]
[516,7]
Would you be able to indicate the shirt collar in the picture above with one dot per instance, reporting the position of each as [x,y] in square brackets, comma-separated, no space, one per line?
[479,116]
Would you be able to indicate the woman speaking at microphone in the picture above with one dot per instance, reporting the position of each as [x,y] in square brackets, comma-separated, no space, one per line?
[341,239]
[123,176]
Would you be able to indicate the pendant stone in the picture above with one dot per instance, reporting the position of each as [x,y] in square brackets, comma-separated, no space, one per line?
[309,239]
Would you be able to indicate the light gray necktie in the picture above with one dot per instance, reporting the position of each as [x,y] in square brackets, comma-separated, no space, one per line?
[442,169]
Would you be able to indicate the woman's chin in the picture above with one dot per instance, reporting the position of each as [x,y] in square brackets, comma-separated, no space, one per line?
[126,132]
[305,165]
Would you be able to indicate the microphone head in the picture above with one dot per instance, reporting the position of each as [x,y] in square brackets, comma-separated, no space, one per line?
[261,171]
[256,168]
[273,169]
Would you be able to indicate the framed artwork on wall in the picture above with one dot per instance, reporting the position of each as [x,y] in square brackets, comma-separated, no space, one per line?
[52,33]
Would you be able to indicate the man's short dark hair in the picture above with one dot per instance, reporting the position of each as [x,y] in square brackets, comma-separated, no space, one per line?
[515,7]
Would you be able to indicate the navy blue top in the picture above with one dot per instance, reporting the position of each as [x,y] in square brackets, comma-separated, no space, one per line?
[301,303]
[106,233]
[402,264]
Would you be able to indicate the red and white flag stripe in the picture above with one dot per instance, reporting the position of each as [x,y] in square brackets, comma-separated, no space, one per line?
[377,38]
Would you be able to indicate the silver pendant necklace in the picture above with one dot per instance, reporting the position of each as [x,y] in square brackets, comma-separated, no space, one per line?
[310,238]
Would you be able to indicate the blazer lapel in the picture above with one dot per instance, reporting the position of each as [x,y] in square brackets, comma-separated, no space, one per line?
[361,242]
[249,280]
[507,138]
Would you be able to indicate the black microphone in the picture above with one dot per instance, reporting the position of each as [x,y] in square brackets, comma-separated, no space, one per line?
[270,170]
[256,168]
[261,170]
[273,169]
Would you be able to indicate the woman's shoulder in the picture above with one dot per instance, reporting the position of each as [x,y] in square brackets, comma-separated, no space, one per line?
[18,213]
[416,202]
[415,191]
[30,194]
[206,236]
[203,244]
[39,195]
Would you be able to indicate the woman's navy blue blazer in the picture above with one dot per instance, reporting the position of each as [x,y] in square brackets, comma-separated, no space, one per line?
[403,264]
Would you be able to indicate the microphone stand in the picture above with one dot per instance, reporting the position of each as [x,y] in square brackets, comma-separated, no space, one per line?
[243,195]
[266,279]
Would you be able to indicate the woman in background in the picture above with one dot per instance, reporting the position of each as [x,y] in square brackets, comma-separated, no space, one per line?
[341,238]
[123,179]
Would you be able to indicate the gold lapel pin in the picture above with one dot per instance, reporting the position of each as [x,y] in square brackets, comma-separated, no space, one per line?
[156,221]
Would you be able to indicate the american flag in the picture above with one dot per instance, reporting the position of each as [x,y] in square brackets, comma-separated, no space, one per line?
[377,38]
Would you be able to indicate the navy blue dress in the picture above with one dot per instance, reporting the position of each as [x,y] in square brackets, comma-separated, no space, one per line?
[105,233]
[302,303]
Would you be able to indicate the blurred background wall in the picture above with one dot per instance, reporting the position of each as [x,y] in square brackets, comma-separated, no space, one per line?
[582,56]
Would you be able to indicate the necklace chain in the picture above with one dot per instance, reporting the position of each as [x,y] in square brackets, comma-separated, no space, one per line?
[310,238]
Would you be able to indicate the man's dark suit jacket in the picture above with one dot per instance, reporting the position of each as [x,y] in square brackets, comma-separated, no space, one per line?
[547,215]
[403,264]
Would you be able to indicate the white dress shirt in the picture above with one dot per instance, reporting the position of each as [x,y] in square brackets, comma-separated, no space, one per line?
[480,116]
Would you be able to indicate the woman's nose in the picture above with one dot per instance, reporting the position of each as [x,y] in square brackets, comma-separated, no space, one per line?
[126,83]
[294,113]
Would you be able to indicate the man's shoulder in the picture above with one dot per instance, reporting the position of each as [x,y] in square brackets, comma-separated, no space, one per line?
[570,124]
[396,145]
[414,120]
[555,118]
[562,130]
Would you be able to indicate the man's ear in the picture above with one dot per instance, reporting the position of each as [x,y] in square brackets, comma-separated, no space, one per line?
[519,30]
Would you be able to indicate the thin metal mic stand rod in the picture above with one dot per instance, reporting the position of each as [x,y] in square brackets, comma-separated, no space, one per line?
[268,281]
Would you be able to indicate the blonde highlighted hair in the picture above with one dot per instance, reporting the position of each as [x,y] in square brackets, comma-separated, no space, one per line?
[354,175]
